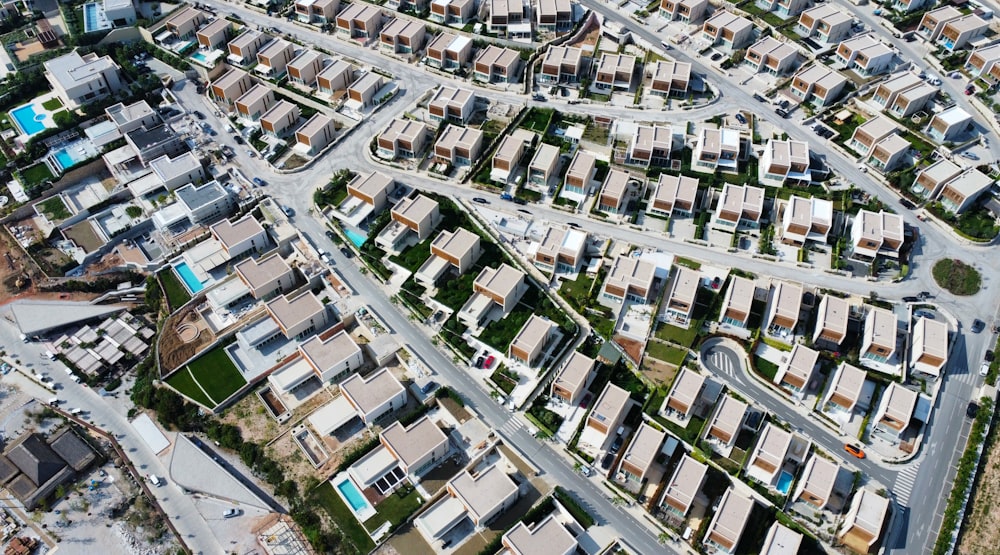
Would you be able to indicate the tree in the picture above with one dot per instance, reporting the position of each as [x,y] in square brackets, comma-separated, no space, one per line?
[64,119]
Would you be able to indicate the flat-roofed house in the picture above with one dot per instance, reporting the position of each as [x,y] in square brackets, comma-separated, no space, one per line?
[670,78]
[359,22]
[895,410]
[726,527]
[726,424]
[889,153]
[184,23]
[548,537]
[637,462]
[949,124]
[335,77]
[529,343]
[272,60]
[740,207]
[817,481]
[374,396]
[682,294]
[651,145]
[448,52]
[865,54]
[904,94]
[452,11]
[418,447]
[983,63]
[362,91]
[907,6]
[614,192]
[831,322]
[683,486]
[554,15]
[561,250]
[958,33]
[501,287]
[496,65]
[782,313]
[304,68]
[78,79]
[452,105]
[300,316]
[507,157]
[962,191]
[255,102]
[241,236]
[316,11]
[675,195]
[824,22]
[685,11]
[772,56]
[879,340]
[877,233]
[243,49]
[580,172]
[485,495]
[784,161]
[629,279]
[232,85]
[737,302]
[784,8]
[765,461]
[458,146]
[932,23]
[806,219]
[507,18]
[887,91]
[460,248]
[865,521]
[419,214]
[716,148]
[543,166]
[607,416]
[574,378]
[280,119]
[402,36]
[684,394]
[403,138]
[316,134]
[614,72]
[845,389]
[797,370]
[870,132]
[561,64]
[929,346]
[931,180]
[265,277]
[781,540]
[818,85]
[372,189]
[727,30]
[215,34]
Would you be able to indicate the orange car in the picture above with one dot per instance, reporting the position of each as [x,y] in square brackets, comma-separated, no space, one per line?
[856,451]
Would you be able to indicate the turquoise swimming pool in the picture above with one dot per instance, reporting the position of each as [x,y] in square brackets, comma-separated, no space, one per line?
[27,120]
[355,237]
[352,495]
[784,482]
[192,282]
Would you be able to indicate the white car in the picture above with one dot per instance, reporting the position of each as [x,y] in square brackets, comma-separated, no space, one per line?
[984,369]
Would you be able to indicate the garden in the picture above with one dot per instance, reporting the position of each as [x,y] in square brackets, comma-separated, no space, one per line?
[956,277]
[214,372]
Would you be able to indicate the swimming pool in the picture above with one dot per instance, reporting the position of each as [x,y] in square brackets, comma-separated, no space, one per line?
[355,237]
[784,482]
[200,56]
[64,159]
[352,495]
[190,280]
[94,18]
[27,120]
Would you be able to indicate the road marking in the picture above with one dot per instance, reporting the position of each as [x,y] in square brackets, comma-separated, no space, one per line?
[723,363]
[512,426]
[904,484]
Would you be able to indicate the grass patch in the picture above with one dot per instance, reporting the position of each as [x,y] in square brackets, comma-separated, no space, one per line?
[183,382]
[55,209]
[666,353]
[680,336]
[52,104]
[36,174]
[688,433]
[414,256]
[537,119]
[976,224]
[576,510]
[217,374]
[693,264]
[505,379]
[766,368]
[545,418]
[396,508]
[177,295]
[956,277]
[577,292]
[353,532]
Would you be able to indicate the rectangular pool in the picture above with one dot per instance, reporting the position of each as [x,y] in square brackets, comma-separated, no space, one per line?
[355,237]
[27,120]
[188,277]
[352,495]
[784,482]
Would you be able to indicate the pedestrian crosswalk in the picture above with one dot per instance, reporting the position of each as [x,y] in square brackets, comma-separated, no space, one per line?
[511,426]
[723,363]
[904,483]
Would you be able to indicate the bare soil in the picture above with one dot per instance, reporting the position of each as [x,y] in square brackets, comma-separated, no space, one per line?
[173,349]
[981,531]
[658,372]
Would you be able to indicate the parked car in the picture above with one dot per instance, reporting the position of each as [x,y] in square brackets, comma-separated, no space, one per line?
[488,363]
[910,299]
[346,252]
[978,325]
[984,369]
[238,140]
[480,200]
[586,471]
[479,362]
[286,209]
[740,118]
[616,445]
[232,513]
[199,115]
[971,410]
[907,204]
[854,450]
[970,155]
[538,98]
[329,234]
[989,356]
[259,182]
[716,57]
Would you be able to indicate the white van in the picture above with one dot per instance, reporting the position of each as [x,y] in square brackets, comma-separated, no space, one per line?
[54,401]
[155,480]
[75,411]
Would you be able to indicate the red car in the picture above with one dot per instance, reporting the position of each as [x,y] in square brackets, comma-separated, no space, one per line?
[489,362]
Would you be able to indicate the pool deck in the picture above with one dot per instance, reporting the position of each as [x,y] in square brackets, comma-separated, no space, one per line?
[36,103]
[366,512]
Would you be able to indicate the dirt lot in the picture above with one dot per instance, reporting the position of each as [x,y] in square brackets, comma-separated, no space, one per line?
[981,534]
[658,372]
[173,350]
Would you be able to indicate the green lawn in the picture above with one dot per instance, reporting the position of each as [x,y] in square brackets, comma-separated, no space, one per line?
[216,373]
[177,295]
[396,508]
[183,382]
[680,336]
[766,368]
[52,104]
[55,209]
[344,519]
[537,119]
[693,264]
[36,174]
[956,277]
[414,256]
[577,292]
[666,353]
